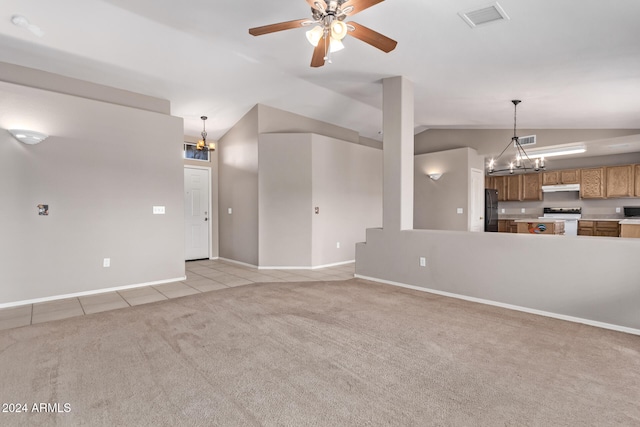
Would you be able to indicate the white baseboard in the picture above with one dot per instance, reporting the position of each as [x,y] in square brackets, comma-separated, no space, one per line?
[509,306]
[86,293]
[314,267]
[288,267]
[237,262]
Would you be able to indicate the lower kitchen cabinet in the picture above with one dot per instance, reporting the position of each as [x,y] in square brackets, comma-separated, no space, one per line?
[598,228]
[507,226]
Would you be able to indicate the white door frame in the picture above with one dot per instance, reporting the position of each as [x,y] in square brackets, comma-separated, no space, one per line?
[208,169]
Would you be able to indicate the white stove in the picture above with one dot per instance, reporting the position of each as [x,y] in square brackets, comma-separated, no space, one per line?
[569,215]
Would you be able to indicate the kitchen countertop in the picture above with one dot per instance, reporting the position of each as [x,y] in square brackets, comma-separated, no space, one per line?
[540,220]
[630,221]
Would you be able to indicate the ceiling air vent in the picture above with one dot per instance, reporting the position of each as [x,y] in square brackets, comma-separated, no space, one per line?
[526,140]
[484,15]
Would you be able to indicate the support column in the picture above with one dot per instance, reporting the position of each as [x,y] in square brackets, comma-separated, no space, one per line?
[398,149]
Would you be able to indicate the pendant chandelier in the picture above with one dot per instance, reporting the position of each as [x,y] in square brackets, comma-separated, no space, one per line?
[522,161]
[202,143]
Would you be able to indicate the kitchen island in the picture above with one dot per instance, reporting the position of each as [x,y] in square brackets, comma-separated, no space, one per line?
[630,228]
[540,226]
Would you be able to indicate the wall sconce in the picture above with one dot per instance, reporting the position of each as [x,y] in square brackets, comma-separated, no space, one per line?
[435,176]
[28,136]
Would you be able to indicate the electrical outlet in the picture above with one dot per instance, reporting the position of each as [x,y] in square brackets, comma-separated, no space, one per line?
[618,210]
[423,261]
[106,262]
[522,210]
[502,210]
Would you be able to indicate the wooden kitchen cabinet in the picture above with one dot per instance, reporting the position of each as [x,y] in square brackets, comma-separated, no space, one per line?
[598,228]
[592,183]
[507,226]
[607,228]
[619,181]
[567,176]
[500,184]
[570,176]
[637,180]
[514,187]
[586,228]
[532,186]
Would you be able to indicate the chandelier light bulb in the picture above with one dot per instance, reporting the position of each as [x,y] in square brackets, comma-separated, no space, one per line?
[335,45]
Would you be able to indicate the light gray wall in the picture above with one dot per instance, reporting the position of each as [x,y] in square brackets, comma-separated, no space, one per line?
[239,235]
[299,172]
[212,164]
[101,171]
[273,120]
[436,202]
[238,190]
[285,200]
[592,278]
[44,80]
[347,187]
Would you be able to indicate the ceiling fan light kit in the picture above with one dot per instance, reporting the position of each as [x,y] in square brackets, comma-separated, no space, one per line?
[328,18]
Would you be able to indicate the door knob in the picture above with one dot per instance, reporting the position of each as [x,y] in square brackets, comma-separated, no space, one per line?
[206,219]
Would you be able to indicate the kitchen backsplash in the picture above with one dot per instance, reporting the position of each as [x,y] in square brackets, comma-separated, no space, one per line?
[600,208]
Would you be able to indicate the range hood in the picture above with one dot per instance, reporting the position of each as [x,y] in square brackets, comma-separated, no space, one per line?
[560,187]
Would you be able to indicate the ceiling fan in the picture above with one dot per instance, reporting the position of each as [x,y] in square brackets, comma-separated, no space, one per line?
[328,18]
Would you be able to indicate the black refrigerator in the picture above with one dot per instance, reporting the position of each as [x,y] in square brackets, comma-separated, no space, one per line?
[491,210]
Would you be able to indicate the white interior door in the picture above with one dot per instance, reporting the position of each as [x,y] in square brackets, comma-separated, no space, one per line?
[196,213]
[476,201]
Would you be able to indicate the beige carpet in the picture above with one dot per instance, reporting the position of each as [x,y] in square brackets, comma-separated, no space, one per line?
[322,354]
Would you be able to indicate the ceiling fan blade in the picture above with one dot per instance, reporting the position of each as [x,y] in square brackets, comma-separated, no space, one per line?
[317,60]
[321,5]
[371,37]
[359,5]
[266,29]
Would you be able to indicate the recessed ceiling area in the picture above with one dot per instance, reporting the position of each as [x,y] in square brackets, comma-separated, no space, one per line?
[575,66]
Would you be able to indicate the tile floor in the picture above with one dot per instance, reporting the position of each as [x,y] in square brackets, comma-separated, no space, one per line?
[202,276]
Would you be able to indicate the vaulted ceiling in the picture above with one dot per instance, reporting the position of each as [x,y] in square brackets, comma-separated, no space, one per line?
[575,64]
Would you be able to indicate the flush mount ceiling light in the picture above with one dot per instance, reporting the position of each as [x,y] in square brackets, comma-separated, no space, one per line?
[29,137]
[202,143]
[522,161]
[22,22]
[561,151]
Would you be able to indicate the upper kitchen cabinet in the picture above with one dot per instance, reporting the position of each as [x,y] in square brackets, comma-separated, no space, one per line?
[568,176]
[500,184]
[532,186]
[592,183]
[619,181]
[514,187]
[637,180]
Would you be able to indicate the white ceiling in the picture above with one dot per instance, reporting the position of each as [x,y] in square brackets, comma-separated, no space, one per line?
[574,63]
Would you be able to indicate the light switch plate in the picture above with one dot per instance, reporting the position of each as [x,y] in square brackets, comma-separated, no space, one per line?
[229,211]
[502,210]
[158,210]
[460,210]
[106,262]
